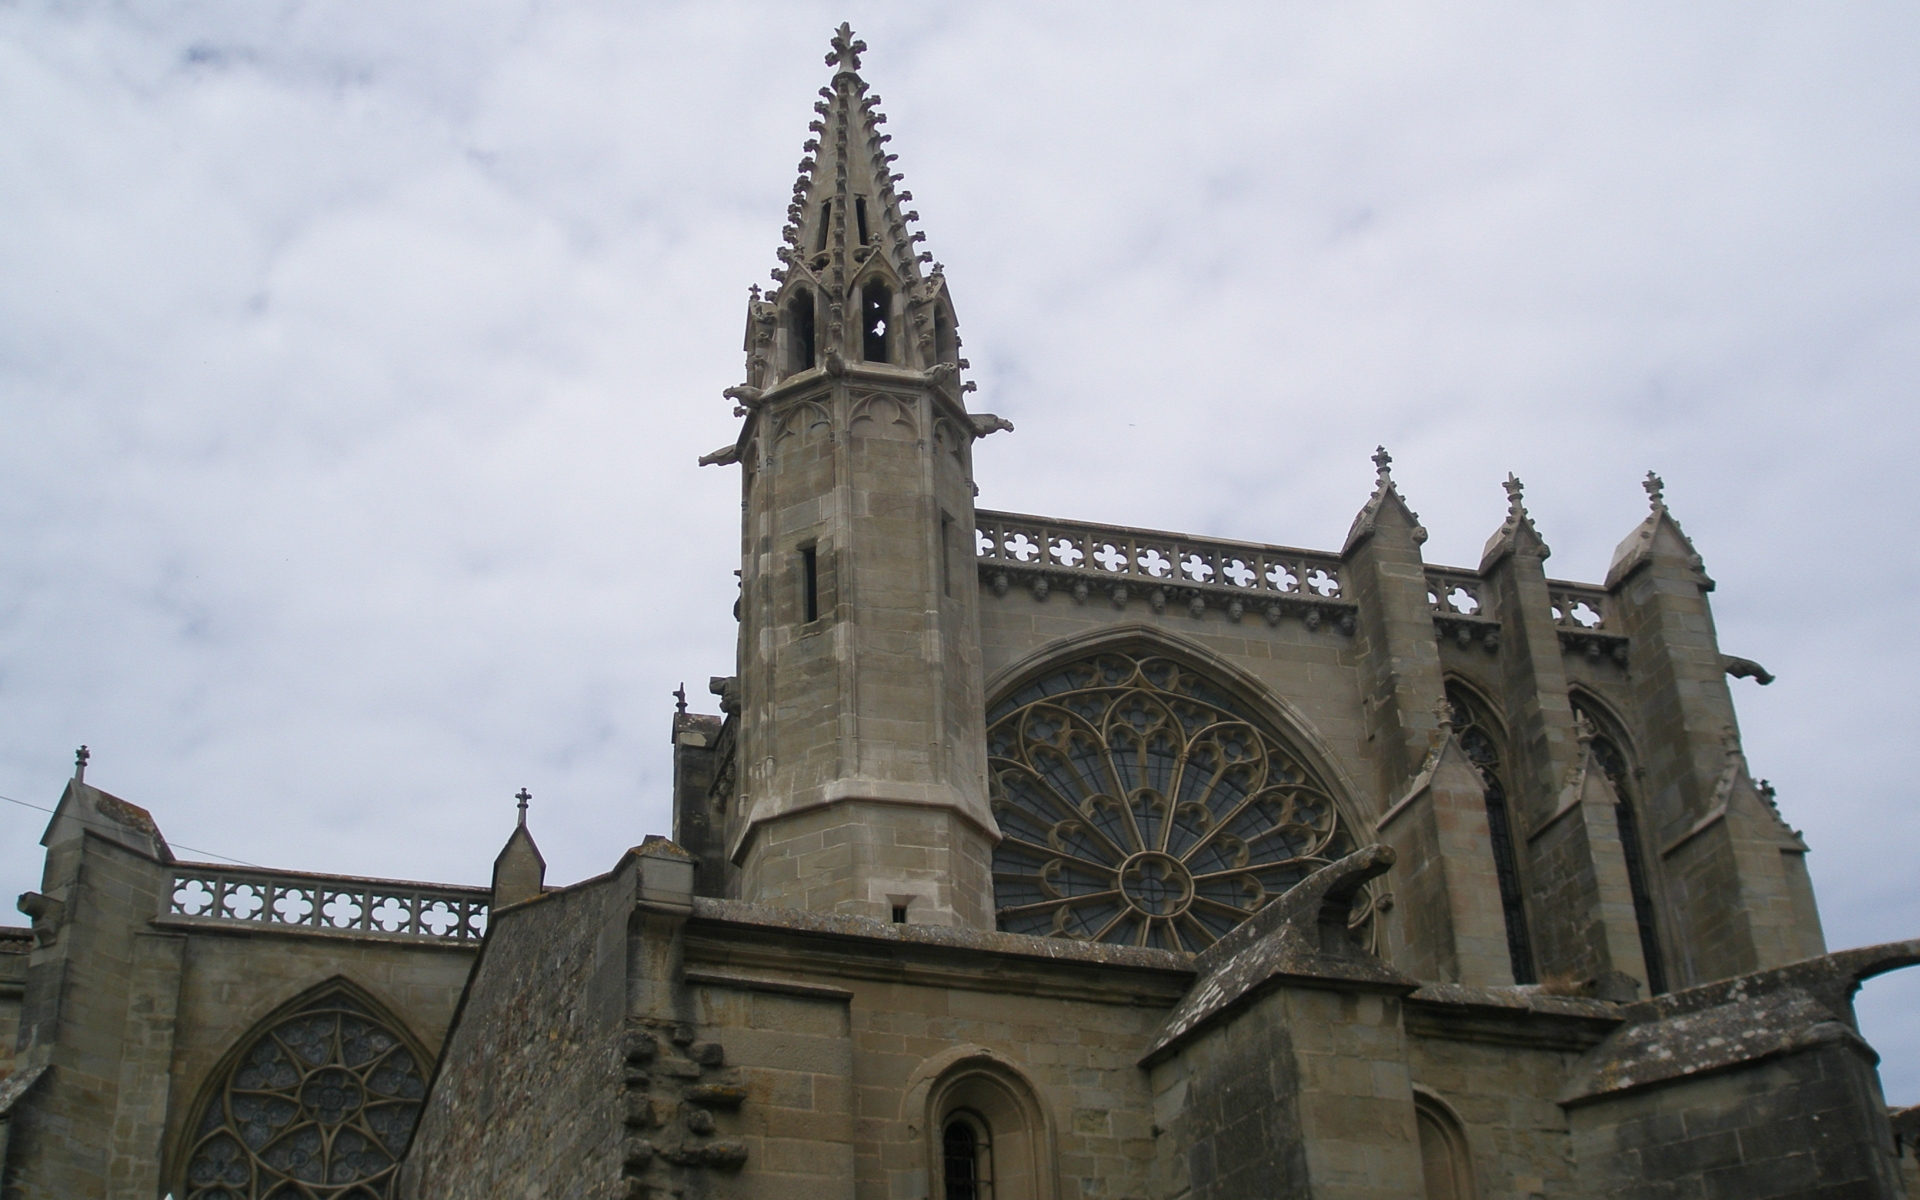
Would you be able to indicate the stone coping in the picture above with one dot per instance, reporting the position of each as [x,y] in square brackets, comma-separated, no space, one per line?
[775,920]
[1528,998]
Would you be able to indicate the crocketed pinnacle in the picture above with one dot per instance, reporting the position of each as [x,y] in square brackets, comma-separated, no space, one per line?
[1385,497]
[846,210]
[1517,534]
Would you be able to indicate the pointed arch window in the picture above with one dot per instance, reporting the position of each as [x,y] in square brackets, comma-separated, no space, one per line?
[1612,758]
[1484,744]
[317,1104]
[876,312]
[800,346]
[945,348]
[1142,805]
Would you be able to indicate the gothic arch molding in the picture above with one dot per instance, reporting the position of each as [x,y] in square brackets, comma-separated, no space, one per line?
[1614,750]
[1481,732]
[316,1100]
[1141,801]
[1277,711]
[988,1087]
[1446,1157]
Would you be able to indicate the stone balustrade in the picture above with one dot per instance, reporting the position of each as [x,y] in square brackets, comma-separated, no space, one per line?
[297,902]
[1157,566]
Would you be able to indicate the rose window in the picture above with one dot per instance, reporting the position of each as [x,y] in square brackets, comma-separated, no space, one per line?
[1142,806]
[319,1107]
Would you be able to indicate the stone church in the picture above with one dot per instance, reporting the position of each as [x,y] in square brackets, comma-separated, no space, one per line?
[1027,859]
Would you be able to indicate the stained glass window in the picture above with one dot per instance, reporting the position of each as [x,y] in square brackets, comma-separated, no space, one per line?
[1141,804]
[318,1106]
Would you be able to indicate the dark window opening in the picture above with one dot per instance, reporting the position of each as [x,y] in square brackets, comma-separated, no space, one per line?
[1473,729]
[860,217]
[876,306]
[946,554]
[810,567]
[1614,763]
[944,348]
[826,221]
[899,914]
[961,1147]
[800,330]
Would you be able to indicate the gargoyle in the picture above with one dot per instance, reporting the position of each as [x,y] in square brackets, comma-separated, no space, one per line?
[725,456]
[1746,668]
[986,423]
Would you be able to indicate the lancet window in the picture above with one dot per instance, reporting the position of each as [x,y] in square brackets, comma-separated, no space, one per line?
[1613,760]
[319,1105]
[876,310]
[1141,804]
[800,347]
[1484,744]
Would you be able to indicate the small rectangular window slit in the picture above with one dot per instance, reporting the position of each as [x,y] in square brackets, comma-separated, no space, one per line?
[899,914]
[810,567]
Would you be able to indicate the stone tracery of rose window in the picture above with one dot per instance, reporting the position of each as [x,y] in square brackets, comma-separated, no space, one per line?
[319,1106]
[1141,806]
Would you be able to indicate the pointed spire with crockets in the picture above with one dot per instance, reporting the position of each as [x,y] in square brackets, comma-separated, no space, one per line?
[853,283]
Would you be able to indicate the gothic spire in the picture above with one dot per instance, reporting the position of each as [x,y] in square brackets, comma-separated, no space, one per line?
[846,243]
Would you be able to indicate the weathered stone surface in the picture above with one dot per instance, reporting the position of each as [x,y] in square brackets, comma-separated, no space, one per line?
[808,990]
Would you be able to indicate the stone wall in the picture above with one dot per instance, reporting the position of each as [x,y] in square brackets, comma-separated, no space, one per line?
[15,945]
[527,1090]
[1791,1126]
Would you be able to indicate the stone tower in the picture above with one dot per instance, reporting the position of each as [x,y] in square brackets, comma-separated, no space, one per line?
[862,772]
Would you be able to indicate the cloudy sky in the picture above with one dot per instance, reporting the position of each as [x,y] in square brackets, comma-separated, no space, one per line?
[354,360]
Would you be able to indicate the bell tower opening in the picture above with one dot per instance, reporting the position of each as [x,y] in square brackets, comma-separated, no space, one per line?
[800,347]
[876,307]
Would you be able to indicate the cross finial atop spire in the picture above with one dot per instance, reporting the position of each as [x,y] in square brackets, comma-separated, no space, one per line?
[1383,462]
[1515,490]
[1656,494]
[847,49]
[80,758]
[523,795]
[680,698]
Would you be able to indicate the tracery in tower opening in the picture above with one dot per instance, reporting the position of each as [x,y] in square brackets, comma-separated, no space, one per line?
[800,347]
[320,1102]
[1142,805]
[1607,751]
[1483,742]
[876,309]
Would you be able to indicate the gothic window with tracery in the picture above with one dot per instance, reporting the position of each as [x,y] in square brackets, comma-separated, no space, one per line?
[1612,760]
[1142,805]
[317,1106]
[1481,740]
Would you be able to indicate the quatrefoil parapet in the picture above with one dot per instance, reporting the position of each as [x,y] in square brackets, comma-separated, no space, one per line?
[1142,805]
